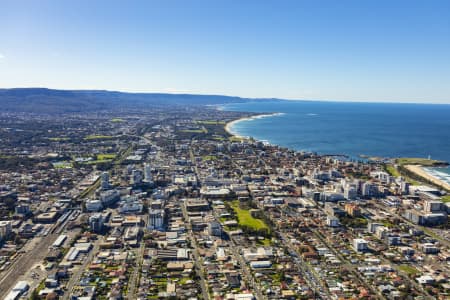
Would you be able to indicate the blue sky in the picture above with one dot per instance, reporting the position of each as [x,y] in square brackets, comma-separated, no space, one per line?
[330,50]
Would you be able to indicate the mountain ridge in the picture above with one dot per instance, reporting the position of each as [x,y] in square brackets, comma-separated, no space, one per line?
[45,100]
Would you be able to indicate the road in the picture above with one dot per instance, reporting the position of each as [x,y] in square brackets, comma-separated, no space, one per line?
[197,259]
[308,274]
[134,278]
[345,262]
[234,247]
[75,278]
[400,272]
[247,273]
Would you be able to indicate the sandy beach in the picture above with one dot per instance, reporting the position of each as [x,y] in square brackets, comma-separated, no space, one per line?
[422,173]
[229,125]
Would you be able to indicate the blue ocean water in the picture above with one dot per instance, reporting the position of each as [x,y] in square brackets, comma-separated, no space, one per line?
[373,129]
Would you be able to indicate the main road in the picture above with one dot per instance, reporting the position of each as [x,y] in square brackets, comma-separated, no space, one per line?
[197,259]
[76,276]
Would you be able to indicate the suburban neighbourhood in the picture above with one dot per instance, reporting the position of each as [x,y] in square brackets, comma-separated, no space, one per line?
[164,203]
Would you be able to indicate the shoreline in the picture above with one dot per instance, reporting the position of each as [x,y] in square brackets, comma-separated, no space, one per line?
[420,171]
[228,125]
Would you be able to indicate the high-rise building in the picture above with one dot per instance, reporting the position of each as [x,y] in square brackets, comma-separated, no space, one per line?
[372,226]
[94,205]
[136,177]
[360,245]
[5,229]
[404,185]
[105,180]
[156,219]
[332,221]
[350,192]
[214,228]
[22,209]
[352,209]
[96,223]
[147,173]
[109,197]
[368,189]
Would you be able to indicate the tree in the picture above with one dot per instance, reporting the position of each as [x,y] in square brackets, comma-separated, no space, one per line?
[34,295]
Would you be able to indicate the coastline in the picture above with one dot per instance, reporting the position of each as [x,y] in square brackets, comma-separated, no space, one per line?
[428,175]
[228,126]
[420,171]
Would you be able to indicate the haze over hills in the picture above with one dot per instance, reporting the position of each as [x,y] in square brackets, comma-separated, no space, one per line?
[43,100]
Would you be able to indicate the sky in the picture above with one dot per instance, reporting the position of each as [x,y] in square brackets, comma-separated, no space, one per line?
[362,50]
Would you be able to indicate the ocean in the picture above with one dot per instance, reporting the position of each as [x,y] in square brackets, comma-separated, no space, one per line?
[354,129]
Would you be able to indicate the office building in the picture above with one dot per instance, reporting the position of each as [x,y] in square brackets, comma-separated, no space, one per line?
[360,245]
[96,223]
[105,181]
[156,219]
[5,229]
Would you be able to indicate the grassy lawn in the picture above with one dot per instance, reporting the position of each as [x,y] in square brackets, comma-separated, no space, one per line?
[446,198]
[417,161]
[98,137]
[265,242]
[387,224]
[105,156]
[276,278]
[200,130]
[184,280]
[431,233]
[408,269]
[211,122]
[94,162]
[236,139]
[246,219]
[209,157]
[62,165]
[117,120]
[392,170]
[223,219]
